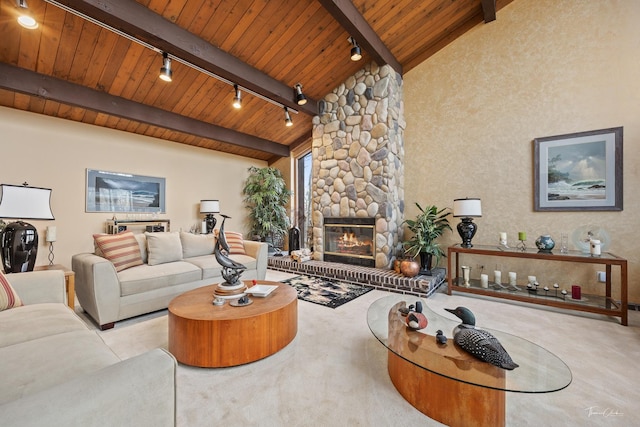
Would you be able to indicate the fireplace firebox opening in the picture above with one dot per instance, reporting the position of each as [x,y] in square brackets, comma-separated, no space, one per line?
[350,240]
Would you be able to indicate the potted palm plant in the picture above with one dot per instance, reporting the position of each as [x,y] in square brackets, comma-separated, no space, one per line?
[428,225]
[266,196]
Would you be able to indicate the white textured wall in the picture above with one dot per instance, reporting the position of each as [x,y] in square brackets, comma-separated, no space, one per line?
[544,68]
[54,153]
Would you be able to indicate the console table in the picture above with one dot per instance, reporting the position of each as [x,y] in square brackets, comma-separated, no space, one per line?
[600,304]
[446,383]
[115,226]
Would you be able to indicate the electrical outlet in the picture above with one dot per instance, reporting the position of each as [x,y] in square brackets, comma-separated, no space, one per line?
[602,276]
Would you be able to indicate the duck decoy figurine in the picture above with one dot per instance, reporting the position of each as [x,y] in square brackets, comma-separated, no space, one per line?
[440,337]
[231,270]
[415,319]
[480,343]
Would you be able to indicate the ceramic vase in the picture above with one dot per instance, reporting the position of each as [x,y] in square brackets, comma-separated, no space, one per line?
[545,243]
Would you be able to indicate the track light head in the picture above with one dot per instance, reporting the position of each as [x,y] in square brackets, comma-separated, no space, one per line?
[237,99]
[165,72]
[287,118]
[356,52]
[24,18]
[300,98]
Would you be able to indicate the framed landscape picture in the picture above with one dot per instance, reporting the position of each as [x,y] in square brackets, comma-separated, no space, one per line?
[123,192]
[579,171]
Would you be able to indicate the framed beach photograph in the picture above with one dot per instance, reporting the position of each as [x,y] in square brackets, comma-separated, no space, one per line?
[124,192]
[579,171]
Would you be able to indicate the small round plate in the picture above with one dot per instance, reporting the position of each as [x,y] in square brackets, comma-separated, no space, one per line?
[237,303]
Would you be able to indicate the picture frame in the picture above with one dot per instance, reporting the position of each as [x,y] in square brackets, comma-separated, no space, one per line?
[124,192]
[579,171]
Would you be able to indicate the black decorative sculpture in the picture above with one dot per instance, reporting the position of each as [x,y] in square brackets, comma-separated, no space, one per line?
[231,270]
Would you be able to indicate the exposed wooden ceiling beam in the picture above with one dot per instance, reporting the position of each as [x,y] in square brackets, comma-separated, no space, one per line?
[489,10]
[31,83]
[143,24]
[351,20]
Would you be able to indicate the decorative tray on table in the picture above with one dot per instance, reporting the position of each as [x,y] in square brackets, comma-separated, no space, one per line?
[261,290]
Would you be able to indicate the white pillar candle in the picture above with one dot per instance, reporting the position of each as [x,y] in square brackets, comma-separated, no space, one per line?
[484,280]
[532,279]
[497,276]
[204,227]
[503,236]
[512,278]
[595,247]
[51,234]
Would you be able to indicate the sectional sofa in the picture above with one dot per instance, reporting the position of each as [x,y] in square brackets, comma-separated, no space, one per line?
[141,273]
[57,372]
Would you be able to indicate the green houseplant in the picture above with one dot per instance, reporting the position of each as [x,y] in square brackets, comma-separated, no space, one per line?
[428,225]
[266,196]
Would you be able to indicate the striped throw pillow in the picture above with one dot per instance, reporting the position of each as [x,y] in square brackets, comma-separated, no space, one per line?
[235,242]
[121,249]
[8,296]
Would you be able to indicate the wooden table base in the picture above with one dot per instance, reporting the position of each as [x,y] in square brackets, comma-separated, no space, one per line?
[446,400]
[201,334]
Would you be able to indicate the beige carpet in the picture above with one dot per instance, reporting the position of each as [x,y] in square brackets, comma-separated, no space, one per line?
[334,372]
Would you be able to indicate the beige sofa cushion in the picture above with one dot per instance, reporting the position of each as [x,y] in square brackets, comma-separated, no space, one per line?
[51,360]
[211,268]
[35,321]
[196,244]
[163,248]
[145,277]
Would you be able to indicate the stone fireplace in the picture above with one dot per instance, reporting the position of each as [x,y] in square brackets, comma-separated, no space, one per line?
[358,153]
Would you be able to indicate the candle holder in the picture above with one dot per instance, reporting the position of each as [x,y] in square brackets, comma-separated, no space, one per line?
[522,245]
[51,256]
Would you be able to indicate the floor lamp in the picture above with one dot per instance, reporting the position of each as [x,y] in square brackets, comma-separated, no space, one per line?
[19,241]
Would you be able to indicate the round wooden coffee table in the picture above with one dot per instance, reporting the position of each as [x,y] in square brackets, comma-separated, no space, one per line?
[209,336]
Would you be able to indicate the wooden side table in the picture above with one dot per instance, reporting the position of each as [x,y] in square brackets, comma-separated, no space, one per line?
[69,278]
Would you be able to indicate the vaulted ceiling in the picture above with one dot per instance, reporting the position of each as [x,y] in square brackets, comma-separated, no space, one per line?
[98,61]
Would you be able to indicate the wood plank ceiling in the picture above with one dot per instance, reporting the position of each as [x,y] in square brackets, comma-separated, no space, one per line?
[71,67]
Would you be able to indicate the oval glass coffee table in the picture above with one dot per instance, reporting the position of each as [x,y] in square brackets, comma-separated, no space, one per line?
[209,336]
[446,383]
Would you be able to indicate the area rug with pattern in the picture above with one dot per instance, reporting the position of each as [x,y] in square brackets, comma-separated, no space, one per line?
[328,292]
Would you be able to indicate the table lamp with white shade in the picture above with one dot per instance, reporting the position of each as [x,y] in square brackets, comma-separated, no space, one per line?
[467,209]
[20,239]
[209,207]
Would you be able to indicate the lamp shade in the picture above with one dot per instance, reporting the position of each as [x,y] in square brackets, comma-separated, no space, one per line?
[209,206]
[23,202]
[467,208]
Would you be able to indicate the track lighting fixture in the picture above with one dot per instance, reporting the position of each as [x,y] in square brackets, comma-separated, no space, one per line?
[287,117]
[356,53]
[165,71]
[300,98]
[237,99]
[24,18]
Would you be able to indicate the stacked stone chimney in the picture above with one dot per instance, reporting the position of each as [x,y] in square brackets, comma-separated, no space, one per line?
[358,158]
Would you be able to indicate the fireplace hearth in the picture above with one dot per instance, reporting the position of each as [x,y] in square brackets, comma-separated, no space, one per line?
[350,240]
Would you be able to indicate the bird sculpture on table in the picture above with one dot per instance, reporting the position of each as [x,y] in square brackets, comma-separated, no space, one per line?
[480,343]
[231,270]
[415,319]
